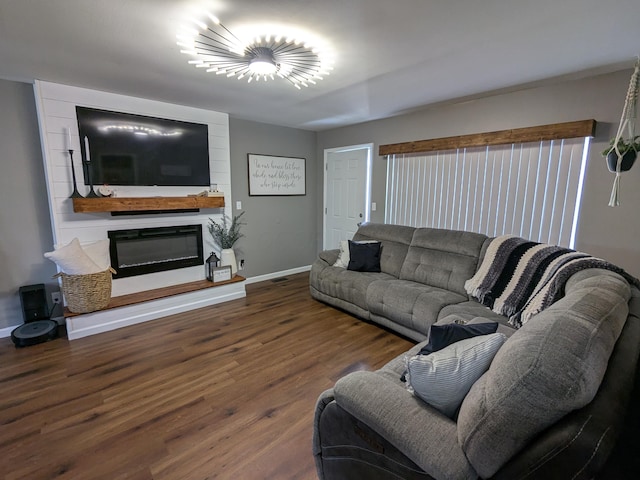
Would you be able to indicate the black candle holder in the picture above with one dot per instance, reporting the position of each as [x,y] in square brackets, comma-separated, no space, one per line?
[75,193]
[92,193]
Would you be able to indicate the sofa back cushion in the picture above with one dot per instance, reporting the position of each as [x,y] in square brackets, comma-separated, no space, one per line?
[551,366]
[442,258]
[395,241]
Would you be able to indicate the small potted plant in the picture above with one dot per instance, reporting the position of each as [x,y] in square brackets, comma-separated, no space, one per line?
[224,235]
[628,150]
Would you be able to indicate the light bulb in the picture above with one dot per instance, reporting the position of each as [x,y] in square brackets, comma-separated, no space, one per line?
[262,67]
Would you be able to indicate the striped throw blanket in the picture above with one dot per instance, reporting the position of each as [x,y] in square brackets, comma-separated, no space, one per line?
[519,278]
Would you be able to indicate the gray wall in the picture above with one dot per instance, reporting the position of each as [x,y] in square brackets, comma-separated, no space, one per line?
[611,233]
[280,232]
[25,227]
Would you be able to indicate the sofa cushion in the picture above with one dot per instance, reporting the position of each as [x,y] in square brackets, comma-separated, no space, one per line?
[443,258]
[410,304]
[442,379]
[364,256]
[553,365]
[471,309]
[395,241]
[345,285]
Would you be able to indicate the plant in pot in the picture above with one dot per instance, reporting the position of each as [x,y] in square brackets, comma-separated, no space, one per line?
[627,150]
[224,235]
[623,148]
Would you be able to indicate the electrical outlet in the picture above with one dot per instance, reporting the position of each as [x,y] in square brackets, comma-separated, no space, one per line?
[56,297]
[241,264]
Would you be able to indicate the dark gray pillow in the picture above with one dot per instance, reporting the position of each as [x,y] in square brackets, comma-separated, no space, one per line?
[441,336]
[364,257]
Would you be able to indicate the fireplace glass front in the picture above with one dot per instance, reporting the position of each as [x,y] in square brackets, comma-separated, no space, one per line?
[149,250]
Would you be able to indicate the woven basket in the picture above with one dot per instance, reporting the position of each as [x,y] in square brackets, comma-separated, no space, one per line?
[87,293]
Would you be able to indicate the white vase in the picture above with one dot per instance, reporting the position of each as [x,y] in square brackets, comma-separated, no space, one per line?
[228,257]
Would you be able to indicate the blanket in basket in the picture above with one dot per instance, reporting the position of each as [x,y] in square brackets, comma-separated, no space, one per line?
[519,278]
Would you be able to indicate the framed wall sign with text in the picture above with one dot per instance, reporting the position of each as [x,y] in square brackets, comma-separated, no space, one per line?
[270,175]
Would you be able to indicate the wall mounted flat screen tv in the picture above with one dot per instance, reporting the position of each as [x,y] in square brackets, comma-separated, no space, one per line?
[128,149]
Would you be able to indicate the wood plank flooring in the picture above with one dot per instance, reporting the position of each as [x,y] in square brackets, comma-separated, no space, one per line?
[226,391]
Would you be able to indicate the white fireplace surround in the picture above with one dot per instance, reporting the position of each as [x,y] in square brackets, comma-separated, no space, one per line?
[55,105]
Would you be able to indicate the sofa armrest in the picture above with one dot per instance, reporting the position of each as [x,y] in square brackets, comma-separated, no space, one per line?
[420,432]
[329,256]
[324,399]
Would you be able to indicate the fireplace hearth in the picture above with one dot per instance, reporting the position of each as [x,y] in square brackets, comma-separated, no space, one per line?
[148,250]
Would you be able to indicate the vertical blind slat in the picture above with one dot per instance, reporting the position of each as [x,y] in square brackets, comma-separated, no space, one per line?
[530,190]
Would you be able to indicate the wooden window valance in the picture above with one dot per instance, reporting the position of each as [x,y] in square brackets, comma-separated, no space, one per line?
[556,131]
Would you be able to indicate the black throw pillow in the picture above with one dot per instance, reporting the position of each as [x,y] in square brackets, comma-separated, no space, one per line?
[364,257]
[441,336]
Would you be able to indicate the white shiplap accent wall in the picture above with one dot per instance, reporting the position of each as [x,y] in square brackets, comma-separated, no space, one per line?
[56,112]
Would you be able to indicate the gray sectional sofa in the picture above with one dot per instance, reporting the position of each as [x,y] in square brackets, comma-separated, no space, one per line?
[555,402]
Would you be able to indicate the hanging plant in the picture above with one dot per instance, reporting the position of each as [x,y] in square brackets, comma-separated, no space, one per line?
[629,151]
[623,149]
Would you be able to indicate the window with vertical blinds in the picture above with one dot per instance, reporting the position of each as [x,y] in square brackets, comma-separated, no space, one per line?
[531,190]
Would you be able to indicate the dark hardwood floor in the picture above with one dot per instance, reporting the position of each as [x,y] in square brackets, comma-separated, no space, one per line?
[226,391]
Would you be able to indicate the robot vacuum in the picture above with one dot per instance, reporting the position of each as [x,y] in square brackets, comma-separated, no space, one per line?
[33,333]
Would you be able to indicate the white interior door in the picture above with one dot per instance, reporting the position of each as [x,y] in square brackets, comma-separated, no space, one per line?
[346,192]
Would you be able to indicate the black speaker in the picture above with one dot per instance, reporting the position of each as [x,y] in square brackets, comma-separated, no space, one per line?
[33,299]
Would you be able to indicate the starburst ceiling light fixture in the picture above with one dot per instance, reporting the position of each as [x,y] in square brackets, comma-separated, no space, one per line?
[215,48]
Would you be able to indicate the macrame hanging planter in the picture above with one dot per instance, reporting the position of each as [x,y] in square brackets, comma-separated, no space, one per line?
[624,147]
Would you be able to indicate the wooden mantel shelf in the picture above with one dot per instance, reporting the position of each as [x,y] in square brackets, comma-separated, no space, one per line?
[139,204]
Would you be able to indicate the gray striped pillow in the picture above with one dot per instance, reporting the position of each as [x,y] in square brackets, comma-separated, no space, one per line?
[443,379]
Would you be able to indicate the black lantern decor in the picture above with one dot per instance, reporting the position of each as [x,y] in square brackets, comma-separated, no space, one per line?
[210,264]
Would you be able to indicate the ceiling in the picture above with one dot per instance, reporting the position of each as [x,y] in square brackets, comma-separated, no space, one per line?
[391,56]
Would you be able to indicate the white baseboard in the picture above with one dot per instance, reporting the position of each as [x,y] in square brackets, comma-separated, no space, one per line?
[283,273]
[6,332]
[105,320]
